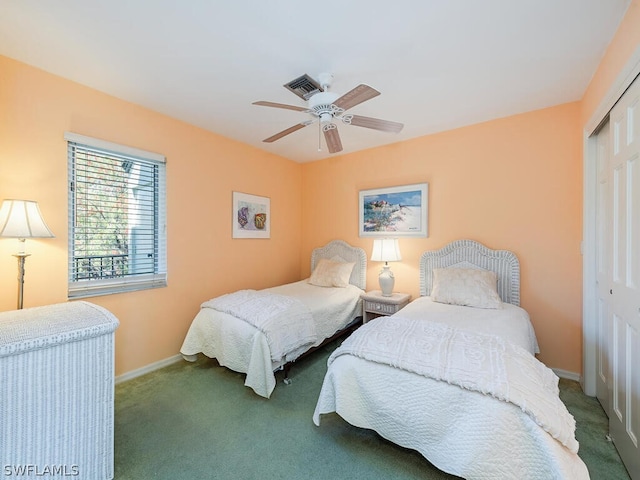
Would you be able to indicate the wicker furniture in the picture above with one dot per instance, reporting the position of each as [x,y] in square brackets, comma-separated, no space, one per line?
[57,390]
[374,304]
[471,254]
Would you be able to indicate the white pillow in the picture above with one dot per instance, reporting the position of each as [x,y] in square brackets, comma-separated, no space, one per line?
[331,274]
[466,286]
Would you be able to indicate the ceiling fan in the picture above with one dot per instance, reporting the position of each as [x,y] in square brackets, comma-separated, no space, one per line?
[325,107]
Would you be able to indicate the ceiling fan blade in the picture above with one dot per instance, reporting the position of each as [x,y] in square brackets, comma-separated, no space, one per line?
[375,123]
[281,105]
[289,130]
[354,97]
[332,137]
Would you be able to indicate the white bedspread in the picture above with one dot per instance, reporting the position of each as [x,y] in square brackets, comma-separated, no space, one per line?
[512,322]
[461,431]
[240,346]
[285,321]
[483,363]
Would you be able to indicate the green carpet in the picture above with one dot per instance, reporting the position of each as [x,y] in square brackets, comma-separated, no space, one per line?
[198,421]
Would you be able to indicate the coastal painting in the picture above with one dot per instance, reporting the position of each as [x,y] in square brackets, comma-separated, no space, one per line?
[394,211]
[251,216]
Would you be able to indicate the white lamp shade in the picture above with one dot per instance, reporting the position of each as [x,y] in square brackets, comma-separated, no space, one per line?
[386,250]
[22,219]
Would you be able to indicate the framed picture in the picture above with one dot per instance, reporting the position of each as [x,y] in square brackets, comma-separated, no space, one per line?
[251,216]
[394,211]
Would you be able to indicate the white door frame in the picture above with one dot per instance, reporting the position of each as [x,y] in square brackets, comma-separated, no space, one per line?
[589,308]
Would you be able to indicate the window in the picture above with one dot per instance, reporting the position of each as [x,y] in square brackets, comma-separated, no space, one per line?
[117,231]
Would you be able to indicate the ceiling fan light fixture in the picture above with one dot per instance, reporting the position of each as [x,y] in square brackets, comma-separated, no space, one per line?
[321,106]
[325,106]
[325,117]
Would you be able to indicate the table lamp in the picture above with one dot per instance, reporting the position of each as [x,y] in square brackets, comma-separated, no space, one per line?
[386,250]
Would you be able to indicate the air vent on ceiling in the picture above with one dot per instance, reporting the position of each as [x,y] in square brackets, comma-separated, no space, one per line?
[303,86]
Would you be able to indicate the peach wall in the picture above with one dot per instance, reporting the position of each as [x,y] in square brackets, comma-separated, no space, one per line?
[203,169]
[624,43]
[513,183]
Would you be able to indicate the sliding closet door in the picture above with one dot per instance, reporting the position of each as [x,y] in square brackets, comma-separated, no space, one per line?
[624,179]
[603,269]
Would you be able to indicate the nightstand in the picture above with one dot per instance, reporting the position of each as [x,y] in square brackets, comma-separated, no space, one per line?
[375,305]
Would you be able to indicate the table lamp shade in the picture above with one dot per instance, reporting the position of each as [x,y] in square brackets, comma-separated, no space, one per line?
[386,250]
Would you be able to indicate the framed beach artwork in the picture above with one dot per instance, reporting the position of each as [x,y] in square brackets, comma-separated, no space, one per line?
[394,211]
[251,216]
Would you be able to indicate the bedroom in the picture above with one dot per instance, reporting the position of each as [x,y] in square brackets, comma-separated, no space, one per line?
[522,175]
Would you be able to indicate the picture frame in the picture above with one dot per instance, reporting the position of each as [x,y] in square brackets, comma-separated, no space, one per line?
[400,211]
[251,216]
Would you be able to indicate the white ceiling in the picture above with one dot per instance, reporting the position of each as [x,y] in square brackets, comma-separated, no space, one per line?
[439,64]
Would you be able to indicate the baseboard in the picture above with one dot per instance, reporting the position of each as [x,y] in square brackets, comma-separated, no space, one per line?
[566,374]
[147,369]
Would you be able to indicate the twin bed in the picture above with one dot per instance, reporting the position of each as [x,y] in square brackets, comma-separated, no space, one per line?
[238,329]
[452,375]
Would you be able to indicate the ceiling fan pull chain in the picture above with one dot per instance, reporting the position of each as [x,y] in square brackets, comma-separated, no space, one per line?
[319,137]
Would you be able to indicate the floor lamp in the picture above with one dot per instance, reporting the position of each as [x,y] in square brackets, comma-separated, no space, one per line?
[21,219]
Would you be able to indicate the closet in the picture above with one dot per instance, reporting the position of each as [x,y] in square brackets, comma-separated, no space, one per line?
[617,274]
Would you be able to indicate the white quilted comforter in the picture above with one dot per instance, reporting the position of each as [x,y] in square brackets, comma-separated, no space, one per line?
[511,322]
[244,347]
[285,321]
[474,404]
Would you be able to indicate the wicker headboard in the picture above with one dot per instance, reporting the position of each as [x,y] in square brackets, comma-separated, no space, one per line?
[471,254]
[341,251]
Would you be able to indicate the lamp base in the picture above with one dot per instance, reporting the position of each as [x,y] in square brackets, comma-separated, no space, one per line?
[386,281]
[21,256]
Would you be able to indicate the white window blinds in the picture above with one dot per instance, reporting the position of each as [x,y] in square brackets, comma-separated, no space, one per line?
[117,218]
